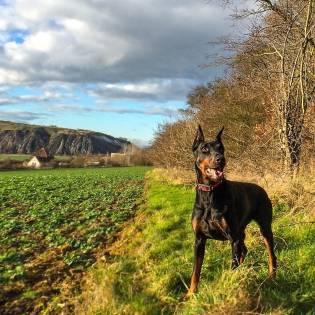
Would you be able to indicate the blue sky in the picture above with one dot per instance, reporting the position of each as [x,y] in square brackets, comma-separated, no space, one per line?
[119,67]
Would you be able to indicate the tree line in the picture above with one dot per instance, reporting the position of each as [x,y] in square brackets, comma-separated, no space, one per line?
[266,102]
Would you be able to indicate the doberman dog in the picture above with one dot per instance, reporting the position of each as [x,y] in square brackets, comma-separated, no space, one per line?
[223,208]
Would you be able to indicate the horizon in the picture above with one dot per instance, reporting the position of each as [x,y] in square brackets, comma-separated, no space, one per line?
[121,68]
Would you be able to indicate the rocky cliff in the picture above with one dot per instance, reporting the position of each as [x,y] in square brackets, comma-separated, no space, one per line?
[27,139]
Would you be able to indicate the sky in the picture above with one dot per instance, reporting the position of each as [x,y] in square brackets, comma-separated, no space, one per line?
[119,67]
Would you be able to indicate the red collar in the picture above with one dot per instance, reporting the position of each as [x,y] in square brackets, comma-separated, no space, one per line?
[208,187]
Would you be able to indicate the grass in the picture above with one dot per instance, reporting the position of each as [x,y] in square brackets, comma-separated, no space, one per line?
[14,157]
[54,224]
[148,269]
[51,129]
[25,157]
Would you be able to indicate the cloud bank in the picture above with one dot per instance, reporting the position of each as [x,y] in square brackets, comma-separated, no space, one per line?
[113,42]
[64,59]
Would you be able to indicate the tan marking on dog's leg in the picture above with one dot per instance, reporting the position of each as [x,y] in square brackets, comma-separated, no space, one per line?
[199,255]
[272,263]
[266,232]
[195,224]
[223,224]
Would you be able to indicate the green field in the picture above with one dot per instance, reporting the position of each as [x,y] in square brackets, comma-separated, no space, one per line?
[54,224]
[25,157]
[152,262]
[14,157]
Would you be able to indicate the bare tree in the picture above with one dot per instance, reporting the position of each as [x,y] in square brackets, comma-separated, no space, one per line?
[266,99]
[284,43]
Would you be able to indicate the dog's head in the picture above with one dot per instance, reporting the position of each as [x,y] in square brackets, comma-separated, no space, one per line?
[209,156]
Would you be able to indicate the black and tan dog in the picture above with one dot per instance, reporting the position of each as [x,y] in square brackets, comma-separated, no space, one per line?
[223,208]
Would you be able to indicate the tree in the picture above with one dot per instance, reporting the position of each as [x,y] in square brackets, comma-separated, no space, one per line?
[283,42]
[265,101]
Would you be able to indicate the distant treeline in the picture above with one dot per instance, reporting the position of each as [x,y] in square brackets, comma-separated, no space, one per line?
[266,102]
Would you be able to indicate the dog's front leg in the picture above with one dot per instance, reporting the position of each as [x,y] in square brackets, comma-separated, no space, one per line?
[236,253]
[199,250]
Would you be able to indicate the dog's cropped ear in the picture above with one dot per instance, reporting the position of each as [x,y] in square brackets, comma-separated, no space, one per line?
[218,137]
[198,138]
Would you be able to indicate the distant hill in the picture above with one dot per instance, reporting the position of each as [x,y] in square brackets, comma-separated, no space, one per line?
[27,139]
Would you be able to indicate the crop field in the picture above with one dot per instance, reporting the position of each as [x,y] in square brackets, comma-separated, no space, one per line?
[54,224]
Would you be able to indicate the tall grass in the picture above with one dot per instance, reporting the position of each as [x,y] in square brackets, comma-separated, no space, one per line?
[148,269]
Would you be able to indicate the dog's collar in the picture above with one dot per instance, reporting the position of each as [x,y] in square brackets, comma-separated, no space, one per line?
[204,187]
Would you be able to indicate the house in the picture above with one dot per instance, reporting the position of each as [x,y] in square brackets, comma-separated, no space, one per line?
[40,159]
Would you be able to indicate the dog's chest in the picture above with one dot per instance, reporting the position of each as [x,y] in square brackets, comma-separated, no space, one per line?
[214,224]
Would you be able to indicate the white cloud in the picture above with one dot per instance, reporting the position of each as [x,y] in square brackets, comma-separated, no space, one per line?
[41,41]
[143,110]
[19,115]
[75,25]
[134,88]
[45,97]
[8,76]
[159,90]
[144,50]
[108,41]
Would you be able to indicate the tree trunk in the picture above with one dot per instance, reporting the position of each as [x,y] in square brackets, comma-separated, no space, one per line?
[291,135]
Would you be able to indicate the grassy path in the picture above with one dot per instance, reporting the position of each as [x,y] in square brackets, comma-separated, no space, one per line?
[149,267]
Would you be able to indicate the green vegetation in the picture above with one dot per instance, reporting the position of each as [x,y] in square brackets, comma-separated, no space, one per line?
[25,157]
[151,264]
[14,157]
[54,223]
[11,125]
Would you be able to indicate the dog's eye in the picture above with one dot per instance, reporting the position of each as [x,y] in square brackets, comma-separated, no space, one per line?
[205,149]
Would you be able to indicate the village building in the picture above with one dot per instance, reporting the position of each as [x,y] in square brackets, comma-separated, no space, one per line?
[40,159]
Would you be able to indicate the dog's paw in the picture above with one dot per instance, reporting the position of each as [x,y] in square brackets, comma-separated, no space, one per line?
[187,296]
[235,263]
[272,275]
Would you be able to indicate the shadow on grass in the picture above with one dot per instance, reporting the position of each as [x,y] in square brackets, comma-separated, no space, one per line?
[288,295]
[130,291]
